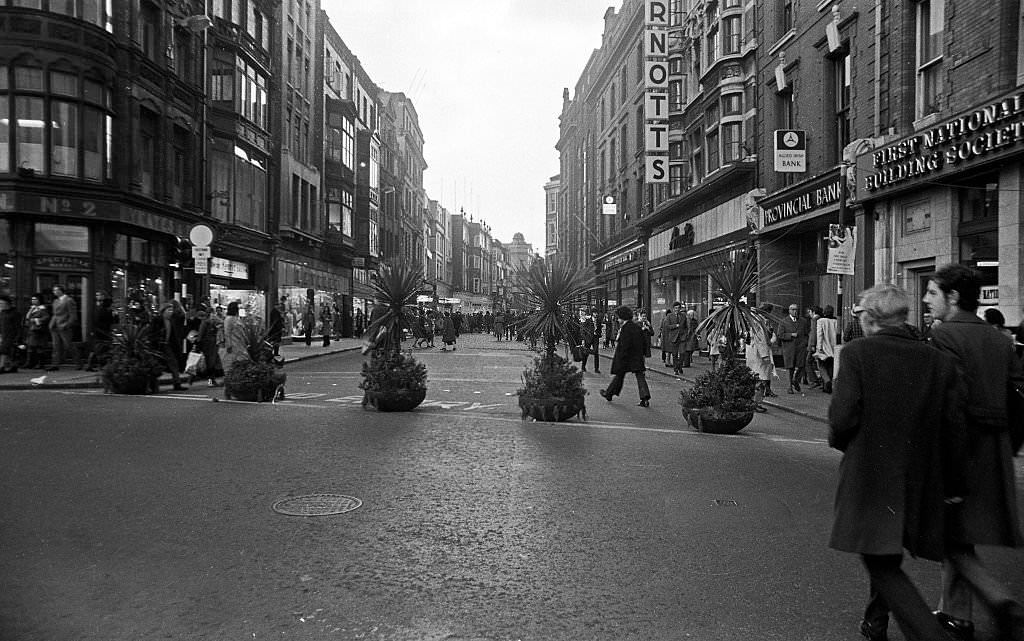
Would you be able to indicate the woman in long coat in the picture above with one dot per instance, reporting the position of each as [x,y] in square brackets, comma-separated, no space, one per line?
[37,336]
[896,416]
[448,335]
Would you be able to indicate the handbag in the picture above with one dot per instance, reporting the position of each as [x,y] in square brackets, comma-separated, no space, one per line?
[194,363]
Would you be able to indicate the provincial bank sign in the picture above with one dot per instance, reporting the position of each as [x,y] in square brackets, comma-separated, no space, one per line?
[990,132]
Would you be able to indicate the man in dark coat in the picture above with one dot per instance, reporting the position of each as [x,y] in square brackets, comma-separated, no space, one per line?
[793,336]
[590,340]
[895,415]
[167,334]
[988,515]
[275,328]
[674,328]
[631,347]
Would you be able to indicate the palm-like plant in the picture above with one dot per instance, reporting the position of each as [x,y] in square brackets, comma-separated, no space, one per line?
[734,280]
[553,288]
[395,288]
[389,371]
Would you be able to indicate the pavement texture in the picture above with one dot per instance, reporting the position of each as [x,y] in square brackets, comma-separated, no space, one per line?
[811,403]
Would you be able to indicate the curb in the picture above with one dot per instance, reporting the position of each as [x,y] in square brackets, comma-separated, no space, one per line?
[95,384]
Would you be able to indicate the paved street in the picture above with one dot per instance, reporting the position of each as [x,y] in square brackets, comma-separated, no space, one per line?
[132,518]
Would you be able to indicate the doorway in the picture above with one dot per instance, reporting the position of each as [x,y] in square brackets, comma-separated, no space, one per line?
[77,287]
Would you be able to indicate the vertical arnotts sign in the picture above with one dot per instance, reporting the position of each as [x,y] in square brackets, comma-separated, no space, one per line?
[656,91]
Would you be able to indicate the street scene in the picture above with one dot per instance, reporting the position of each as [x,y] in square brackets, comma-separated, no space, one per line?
[593,320]
[153,517]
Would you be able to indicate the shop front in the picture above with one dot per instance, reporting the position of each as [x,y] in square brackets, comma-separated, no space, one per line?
[793,239]
[951,193]
[618,278]
[309,284]
[88,247]
[678,255]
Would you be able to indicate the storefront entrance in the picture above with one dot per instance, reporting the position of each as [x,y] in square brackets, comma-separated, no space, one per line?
[77,287]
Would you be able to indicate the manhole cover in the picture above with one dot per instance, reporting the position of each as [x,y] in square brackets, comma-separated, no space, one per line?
[316,505]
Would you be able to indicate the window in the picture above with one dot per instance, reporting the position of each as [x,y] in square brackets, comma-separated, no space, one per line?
[640,142]
[732,104]
[222,83]
[979,200]
[5,133]
[931,18]
[732,142]
[842,103]
[732,34]
[148,150]
[611,159]
[712,49]
[182,178]
[675,180]
[63,138]
[623,137]
[250,189]
[785,16]
[675,12]
[149,30]
[28,132]
[675,95]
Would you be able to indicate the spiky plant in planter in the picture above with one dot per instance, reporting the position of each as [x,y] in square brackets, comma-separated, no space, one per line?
[552,388]
[721,400]
[393,381]
[134,366]
[254,375]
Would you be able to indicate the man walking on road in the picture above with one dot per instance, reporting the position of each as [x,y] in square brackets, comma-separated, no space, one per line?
[794,345]
[895,415]
[631,347]
[988,515]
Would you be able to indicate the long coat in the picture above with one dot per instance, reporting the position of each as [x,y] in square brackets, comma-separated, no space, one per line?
[664,333]
[895,414]
[688,339]
[794,349]
[673,328]
[987,361]
[629,349]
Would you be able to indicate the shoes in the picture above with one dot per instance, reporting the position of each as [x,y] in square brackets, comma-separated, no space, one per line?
[796,386]
[873,632]
[604,395]
[644,402]
[668,364]
[960,629]
[827,388]
[597,371]
[791,390]
[584,368]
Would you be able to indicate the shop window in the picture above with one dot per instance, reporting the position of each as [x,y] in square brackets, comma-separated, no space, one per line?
[978,201]
[5,134]
[149,30]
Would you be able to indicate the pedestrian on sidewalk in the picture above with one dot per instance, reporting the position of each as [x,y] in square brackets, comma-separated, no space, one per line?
[448,335]
[758,356]
[689,340]
[663,337]
[988,514]
[326,323]
[63,320]
[811,375]
[37,322]
[590,334]
[10,335]
[631,348]
[794,345]
[308,323]
[676,325]
[895,415]
[206,344]
[825,346]
[103,323]
[234,337]
[167,336]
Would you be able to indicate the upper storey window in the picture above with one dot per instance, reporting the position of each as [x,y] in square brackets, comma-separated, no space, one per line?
[931,21]
[54,123]
[97,12]
[245,14]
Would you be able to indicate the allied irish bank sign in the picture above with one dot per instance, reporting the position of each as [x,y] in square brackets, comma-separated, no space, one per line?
[990,132]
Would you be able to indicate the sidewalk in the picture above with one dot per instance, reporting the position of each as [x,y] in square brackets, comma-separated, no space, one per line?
[812,403]
[70,378]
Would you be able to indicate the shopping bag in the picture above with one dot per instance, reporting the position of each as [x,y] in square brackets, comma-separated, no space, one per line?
[194,363]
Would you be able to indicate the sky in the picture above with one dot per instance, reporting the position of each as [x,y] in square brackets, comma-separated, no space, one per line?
[486,79]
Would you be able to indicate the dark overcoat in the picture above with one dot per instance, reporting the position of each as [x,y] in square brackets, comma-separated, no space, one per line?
[629,349]
[896,415]
[794,349]
[170,346]
[987,362]
[688,338]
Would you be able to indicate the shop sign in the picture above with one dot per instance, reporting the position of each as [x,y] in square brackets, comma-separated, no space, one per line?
[622,259]
[229,268]
[91,209]
[989,295]
[69,263]
[842,248]
[802,203]
[992,132]
[790,151]
[655,53]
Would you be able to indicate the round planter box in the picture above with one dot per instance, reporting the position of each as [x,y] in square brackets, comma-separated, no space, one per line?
[551,409]
[729,424]
[398,400]
[253,394]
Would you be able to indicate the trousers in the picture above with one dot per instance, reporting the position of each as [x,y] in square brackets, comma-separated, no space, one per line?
[615,387]
[892,589]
